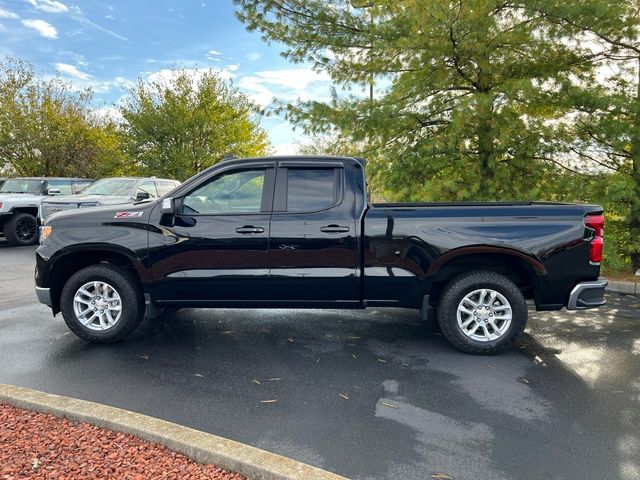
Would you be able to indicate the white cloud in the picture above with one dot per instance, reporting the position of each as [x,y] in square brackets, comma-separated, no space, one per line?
[253,56]
[213,54]
[81,19]
[109,113]
[166,75]
[124,83]
[7,14]
[49,6]
[287,149]
[288,84]
[43,28]
[72,71]
[233,67]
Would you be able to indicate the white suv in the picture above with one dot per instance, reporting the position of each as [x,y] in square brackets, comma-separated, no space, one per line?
[20,200]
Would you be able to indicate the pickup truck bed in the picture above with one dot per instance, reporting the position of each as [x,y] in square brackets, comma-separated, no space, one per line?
[534,243]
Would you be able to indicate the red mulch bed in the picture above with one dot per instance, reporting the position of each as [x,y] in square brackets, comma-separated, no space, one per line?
[38,446]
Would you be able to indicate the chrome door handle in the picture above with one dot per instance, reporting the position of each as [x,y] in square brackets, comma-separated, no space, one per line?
[250,229]
[334,229]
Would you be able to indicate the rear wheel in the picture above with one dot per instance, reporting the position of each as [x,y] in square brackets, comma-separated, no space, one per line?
[482,312]
[102,303]
[21,229]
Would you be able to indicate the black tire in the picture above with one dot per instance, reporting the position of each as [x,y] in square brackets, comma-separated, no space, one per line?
[21,229]
[130,293]
[462,285]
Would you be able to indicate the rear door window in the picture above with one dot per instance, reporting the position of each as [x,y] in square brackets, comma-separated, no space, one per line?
[312,189]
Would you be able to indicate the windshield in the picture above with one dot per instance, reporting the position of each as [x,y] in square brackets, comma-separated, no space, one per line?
[23,185]
[117,187]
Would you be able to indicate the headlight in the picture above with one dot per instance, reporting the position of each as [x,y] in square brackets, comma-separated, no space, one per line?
[45,231]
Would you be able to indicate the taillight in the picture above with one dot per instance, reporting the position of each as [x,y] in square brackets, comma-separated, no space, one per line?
[596,222]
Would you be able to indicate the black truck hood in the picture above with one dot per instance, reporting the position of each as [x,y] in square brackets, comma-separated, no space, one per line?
[101,215]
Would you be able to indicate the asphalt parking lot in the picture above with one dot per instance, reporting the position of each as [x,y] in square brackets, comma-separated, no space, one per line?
[369,395]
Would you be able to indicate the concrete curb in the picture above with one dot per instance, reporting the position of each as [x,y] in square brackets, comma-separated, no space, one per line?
[202,447]
[628,288]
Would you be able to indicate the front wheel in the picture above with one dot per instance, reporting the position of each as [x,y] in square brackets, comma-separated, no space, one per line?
[102,303]
[21,229]
[482,312]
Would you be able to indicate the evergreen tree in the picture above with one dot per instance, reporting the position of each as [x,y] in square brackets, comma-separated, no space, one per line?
[466,92]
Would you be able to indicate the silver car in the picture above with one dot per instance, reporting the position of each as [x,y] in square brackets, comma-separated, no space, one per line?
[109,191]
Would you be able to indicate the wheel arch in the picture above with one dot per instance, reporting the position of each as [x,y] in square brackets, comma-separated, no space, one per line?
[31,210]
[73,259]
[523,269]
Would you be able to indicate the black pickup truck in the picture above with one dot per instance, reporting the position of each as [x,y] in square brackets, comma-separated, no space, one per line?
[299,232]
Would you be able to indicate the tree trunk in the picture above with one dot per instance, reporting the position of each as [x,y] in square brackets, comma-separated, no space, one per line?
[487,188]
[634,214]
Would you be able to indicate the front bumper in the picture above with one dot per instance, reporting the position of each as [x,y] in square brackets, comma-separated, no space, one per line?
[587,295]
[44,295]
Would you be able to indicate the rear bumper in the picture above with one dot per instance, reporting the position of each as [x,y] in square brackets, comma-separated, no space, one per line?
[587,295]
[44,295]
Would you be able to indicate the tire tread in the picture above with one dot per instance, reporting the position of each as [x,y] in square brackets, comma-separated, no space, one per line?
[448,305]
[128,286]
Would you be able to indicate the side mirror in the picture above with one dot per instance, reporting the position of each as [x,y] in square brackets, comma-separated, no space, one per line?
[142,196]
[168,206]
[53,191]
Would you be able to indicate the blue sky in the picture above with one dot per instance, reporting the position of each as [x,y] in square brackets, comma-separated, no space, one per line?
[109,44]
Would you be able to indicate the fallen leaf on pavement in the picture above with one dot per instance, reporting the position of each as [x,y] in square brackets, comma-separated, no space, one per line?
[268,401]
[343,396]
[390,405]
[290,340]
[353,355]
[441,476]
[144,357]
[381,360]
[255,381]
[275,379]
[523,380]
[198,375]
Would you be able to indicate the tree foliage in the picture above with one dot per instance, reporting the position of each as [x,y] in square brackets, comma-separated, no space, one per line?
[180,124]
[604,131]
[467,90]
[47,128]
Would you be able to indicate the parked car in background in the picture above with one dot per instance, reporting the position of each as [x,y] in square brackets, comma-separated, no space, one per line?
[109,191]
[20,200]
[301,233]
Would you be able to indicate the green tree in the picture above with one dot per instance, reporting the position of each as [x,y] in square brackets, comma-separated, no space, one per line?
[467,90]
[46,128]
[180,125]
[604,131]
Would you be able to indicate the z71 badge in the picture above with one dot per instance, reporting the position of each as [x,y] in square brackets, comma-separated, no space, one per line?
[128,214]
